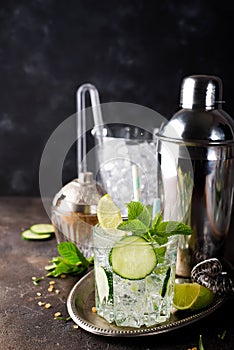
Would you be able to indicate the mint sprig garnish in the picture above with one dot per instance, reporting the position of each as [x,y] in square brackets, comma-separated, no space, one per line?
[141,223]
[139,218]
[70,261]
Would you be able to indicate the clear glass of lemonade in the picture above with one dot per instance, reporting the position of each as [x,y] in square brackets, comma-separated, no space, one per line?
[134,278]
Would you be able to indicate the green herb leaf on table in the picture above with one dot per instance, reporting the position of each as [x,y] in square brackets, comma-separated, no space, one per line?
[65,319]
[70,261]
[36,280]
[222,336]
[200,344]
[70,252]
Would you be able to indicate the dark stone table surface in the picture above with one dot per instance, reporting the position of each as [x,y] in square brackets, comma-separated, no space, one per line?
[26,325]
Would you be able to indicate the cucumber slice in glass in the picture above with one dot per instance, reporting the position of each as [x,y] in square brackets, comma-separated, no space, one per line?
[42,228]
[29,235]
[133,258]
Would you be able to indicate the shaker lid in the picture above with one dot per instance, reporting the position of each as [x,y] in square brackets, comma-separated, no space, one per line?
[201,91]
[201,119]
[79,195]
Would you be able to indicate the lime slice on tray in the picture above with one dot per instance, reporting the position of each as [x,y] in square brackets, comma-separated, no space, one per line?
[133,258]
[191,296]
[108,213]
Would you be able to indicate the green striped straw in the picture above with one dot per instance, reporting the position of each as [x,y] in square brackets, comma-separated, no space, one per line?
[136,183]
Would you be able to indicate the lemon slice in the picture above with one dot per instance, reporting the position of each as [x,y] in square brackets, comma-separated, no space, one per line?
[191,296]
[108,213]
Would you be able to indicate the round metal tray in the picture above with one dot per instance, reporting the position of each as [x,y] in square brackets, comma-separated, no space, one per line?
[81,300]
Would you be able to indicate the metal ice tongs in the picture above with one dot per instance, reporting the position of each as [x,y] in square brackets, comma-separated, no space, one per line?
[81,122]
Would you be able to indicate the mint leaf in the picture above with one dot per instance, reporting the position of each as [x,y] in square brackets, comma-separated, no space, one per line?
[160,253]
[62,267]
[157,220]
[170,228]
[139,218]
[137,210]
[146,216]
[140,223]
[134,210]
[135,226]
[71,261]
[158,236]
[70,252]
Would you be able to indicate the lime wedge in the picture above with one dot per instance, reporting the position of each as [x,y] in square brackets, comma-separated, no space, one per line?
[191,296]
[108,213]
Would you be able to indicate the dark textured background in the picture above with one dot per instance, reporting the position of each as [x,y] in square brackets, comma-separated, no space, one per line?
[133,51]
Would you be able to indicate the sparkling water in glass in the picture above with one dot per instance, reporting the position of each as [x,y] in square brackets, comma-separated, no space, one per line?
[139,302]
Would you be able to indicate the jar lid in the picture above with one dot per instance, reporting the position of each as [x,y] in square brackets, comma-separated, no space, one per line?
[201,91]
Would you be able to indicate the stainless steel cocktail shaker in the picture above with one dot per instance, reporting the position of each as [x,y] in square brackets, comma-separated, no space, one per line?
[199,141]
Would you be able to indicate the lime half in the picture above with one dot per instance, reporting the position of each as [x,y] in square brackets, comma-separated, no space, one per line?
[191,296]
[108,213]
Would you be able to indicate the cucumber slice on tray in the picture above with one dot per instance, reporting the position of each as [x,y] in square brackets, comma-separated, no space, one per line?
[42,228]
[28,235]
[133,258]
[38,232]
